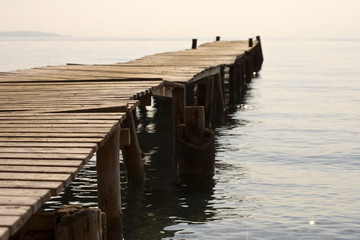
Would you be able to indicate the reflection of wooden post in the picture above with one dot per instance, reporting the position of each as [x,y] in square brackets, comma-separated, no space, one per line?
[109,195]
[131,153]
[76,223]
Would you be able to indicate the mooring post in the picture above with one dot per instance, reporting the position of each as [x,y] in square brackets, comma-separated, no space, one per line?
[194,43]
[217,38]
[108,174]
[132,154]
[250,42]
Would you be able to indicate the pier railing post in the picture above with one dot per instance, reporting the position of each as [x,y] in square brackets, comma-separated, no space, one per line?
[109,190]
[131,153]
[194,43]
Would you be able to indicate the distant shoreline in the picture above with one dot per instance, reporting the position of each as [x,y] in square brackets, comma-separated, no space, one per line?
[30,34]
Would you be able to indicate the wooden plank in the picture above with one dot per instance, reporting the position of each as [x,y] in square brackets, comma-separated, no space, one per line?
[43,193]
[36,169]
[4,233]
[51,141]
[55,187]
[42,162]
[34,202]
[16,210]
[59,177]
[14,223]
[21,144]
[56,156]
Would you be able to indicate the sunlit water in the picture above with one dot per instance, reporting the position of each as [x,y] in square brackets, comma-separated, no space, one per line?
[287,160]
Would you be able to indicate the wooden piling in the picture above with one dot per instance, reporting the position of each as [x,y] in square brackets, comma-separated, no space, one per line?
[178,111]
[132,154]
[76,223]
[209,99]
[239,81]
[232,85]
[250,42]
[217,38]
[194,43]
[109,195]
[196,153]
[219,105]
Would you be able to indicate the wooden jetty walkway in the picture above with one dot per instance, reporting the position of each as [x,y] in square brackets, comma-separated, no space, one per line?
[53,119]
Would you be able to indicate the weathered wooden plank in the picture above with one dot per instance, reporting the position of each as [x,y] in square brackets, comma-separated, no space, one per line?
[34,202]
[23,192]
[65,178]
[55,156]
[14,223]
[43,162]
[45,150]
[55,187]
[48,145]
[4,233]
[16,210]
[36,169]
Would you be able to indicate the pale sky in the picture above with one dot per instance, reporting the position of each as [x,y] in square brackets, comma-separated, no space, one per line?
[184,18]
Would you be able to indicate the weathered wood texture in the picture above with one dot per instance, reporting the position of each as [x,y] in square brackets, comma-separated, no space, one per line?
[54,118]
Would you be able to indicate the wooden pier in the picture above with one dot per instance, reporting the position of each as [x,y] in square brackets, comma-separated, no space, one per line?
[53,119]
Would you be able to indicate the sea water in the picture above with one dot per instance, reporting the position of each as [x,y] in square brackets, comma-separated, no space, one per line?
[287,160]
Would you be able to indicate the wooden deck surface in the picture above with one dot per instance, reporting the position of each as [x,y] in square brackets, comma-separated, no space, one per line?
[54,118]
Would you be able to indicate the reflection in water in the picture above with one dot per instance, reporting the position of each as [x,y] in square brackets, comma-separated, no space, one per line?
[164,201]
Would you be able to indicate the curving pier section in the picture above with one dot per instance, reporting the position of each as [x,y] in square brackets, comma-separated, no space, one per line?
[53,119]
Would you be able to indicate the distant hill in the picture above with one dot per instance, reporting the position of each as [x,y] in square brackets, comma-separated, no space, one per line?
[29,34]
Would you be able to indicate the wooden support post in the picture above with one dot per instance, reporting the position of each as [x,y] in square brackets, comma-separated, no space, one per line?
[190,94]
[76,223]
[132,154]
[194,43]
[196,153]
[195,123]
[200,94]
[259,55]
[239,82]
[248,67]
[108,174]
[178,111]
[218,94]
[145,100]
[217,38]
[250,42]
[232,85]
[125,137]
[209,99]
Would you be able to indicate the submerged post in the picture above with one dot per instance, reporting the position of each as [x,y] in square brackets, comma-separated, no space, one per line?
[109,195]
[196,153]
[131,153]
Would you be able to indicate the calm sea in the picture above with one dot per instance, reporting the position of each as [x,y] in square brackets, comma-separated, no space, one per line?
[287,160]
